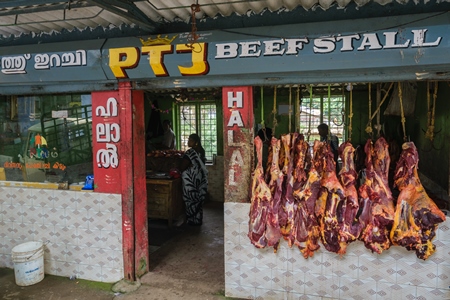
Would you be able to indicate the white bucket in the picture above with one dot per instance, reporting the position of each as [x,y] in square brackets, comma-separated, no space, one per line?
[28,261]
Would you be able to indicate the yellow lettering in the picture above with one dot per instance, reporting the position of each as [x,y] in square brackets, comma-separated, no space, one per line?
[121,59]
[199,52]
[156,58]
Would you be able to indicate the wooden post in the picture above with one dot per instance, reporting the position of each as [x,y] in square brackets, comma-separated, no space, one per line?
[126,160]
[139,186]
[119,167]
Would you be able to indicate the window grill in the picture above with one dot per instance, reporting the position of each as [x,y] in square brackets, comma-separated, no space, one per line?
[321,109]
[199,118]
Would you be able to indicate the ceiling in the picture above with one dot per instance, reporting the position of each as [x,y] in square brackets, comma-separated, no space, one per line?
[25,21]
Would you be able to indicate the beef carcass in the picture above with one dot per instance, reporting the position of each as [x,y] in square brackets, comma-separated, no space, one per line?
[306,230]
[286,209]
[273,233]
[350,228]
[269,162]
[330,197]
[376,198]
[295,178]
[300,149]
[416,215]
[259,202]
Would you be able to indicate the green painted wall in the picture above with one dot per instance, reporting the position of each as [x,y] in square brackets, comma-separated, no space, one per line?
[166,104]
[432,163]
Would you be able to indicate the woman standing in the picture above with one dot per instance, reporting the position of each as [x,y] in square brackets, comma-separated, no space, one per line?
[195,180]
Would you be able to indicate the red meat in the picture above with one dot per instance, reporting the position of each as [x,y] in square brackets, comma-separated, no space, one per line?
[416,215]
[259,202]
[330,197]
[273,233]
[350,228]
[306,230]
[376,198]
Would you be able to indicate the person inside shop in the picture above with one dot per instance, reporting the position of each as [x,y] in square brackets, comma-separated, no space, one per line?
[168,141]
[194,177]
[333,140]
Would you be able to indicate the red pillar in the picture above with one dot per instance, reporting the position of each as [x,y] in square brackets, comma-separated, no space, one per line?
[119,167]
[139,185]
[126,178]
[238,141]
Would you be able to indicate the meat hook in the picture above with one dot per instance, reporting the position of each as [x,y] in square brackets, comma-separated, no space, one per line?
[432,146]
[335,121]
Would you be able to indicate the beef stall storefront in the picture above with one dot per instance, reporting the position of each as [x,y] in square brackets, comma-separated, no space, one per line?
[383,52]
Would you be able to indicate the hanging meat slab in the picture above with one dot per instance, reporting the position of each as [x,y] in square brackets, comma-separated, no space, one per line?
[259,202]
[296,178]
[416,215]
[331,196]
[377,203]
[286,210]
[300,149]
[273,233]
[306,229]
[350,228]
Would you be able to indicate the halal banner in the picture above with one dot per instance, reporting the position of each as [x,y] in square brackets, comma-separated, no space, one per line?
[238,141]
[106,139]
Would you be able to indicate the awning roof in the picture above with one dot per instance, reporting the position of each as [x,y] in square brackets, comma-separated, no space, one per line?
[37,18]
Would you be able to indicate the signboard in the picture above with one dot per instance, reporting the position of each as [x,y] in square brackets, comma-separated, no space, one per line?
[238,141]
[46,63]
[411,46]
[106,139]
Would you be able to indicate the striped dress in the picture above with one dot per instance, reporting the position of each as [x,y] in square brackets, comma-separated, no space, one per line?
[195,185]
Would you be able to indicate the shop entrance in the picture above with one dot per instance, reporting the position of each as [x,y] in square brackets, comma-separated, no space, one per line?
[176,249]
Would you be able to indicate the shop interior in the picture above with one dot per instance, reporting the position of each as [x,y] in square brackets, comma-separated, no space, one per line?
[344,107]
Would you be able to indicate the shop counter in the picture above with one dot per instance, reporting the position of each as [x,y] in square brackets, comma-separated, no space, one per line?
[164,199]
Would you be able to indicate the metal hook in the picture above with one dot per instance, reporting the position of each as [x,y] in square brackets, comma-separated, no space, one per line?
[432,147]
[335,122]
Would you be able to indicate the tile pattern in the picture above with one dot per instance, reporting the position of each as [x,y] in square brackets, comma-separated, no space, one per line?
[216,180]
[82,230]
[252,273]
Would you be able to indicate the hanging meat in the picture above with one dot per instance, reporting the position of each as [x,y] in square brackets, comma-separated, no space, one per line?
[376,201]
[416,215]
[330,197]
[273,233]
[295,179]
[306,230]
[259,202]
[349,226]
[286,209]
[300,149]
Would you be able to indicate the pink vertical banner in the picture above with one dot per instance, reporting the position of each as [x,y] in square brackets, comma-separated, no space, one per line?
[106,139]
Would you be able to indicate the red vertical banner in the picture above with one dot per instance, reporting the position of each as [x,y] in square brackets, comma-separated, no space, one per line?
[106,139]
[238,141]
[140,184]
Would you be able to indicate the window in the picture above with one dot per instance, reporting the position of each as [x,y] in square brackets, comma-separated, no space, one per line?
[200,118]
[322,109]
[35,146]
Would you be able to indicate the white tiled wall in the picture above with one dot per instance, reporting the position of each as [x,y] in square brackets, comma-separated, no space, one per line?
[253,273]
[82,230]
